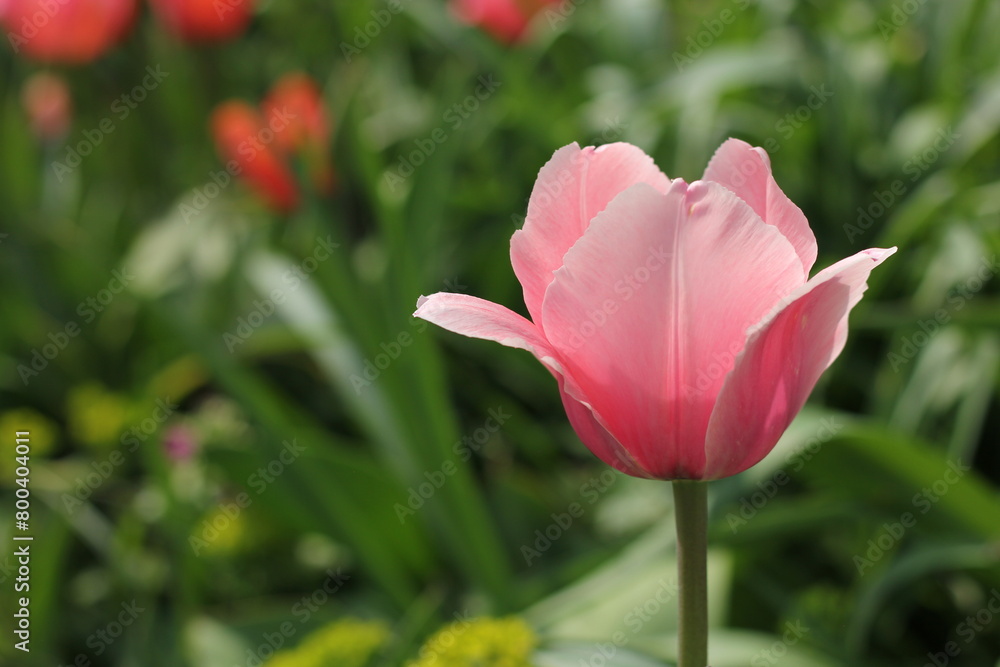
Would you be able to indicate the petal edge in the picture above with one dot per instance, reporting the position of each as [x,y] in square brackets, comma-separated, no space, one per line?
[784,357]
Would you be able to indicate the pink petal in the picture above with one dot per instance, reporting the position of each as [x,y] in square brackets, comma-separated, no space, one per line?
[784,357]
[655,300]
[747,172]
[572,187]
[478,318]
[598,439]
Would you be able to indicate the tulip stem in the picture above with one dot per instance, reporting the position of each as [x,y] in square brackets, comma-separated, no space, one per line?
[691,515]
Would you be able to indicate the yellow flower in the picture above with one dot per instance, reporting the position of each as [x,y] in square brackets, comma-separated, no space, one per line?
[41,435]
[345,643]
[221,531]
[95,416]
[482,642]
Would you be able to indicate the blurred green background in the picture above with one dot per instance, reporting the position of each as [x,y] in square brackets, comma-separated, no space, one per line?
[342,478]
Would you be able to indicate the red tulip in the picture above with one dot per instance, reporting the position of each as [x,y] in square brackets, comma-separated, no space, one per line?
[678,319]
[47,102]
[296,97]
[204,20]
[243,138]
[504,19]
[67,31]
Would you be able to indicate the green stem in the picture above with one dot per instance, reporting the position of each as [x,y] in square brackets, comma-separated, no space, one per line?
[691,514]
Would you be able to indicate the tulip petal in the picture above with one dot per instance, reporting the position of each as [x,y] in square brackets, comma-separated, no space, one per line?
[784,357]
[599,440]
[572,187]
[478,318]
[746,171]
[655,300]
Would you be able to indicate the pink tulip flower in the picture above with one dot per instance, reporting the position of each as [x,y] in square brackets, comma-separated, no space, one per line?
[678,318]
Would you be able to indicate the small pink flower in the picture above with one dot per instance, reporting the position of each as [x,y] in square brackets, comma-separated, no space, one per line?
[180,442]
[48,104]
[678,319]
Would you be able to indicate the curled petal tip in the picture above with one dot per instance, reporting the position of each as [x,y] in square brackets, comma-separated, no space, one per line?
[879,254]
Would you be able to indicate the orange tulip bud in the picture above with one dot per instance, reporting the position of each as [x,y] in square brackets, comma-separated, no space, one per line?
[244,138]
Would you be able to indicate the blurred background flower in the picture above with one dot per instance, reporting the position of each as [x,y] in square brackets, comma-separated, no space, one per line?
[67,31]
[48,105]
[246,143]
[346,643]
[296,97]
[180,442]
[506,20]
[43,435]
[263,147]
[203,20]
[503,642]
[95,416]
